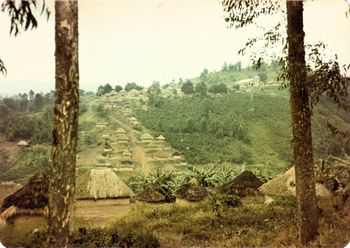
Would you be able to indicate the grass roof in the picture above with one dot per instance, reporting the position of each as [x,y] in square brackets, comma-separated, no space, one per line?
[284,185]
[101,183]
[32,195]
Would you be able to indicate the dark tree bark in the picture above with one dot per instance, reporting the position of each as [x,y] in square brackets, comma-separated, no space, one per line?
[66,111]
[301,125]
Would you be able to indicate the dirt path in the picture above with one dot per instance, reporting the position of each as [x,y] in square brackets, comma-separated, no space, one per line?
[100,213]
[137,151]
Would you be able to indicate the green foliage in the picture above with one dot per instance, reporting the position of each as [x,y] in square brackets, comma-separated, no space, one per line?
[204,75]
[232,201]
[82,108]
[218,89]
[154,95]
[225,129]
[32,160]
[263,77]
[90,138]
[202,89]
[104,89]
[131,86]
[187,87]
[118,88]
[100,110]
[87,237]
[162,179]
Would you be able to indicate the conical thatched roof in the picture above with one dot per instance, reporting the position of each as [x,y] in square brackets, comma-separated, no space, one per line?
[126,153]
[146,136]
[122,137]
[101,184]
[101,159]
[244,184]
[284,185]
[32,195]
[22,143]
[191,191]
[160,138]
[120,131]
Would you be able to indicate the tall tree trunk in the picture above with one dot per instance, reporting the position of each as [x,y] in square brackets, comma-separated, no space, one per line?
[301,125]
[62,178]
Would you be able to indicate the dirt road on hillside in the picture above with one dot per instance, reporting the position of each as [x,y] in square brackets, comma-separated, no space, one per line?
[137,151]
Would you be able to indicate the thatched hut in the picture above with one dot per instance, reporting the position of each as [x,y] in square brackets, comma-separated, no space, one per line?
[161,138]
[31,199]
[23,143]
[126,154]
[132,119]
[102,183]
[192,191]
[243,185]
[32,195]
[284,185]
[120,131]
[122,138]
[146,138]
[8,188]
[101,124]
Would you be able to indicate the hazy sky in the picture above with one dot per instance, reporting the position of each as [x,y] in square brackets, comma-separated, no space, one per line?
[146,40]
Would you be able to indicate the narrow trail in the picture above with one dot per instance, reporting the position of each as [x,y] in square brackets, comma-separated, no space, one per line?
[136,150]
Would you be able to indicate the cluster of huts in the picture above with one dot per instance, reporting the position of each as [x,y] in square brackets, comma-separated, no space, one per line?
[104,184]
[116,151]
[159,151]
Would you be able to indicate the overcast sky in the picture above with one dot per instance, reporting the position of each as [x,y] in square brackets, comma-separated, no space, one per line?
[146,40]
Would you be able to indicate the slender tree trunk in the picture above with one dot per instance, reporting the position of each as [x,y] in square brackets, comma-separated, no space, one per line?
[62,179]
[301,125]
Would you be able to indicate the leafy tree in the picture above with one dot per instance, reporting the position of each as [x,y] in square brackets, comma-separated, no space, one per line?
[232,67]
[21,16]
[263,77]
[301,119]
[187,87]
[202,89]
[103,89]
[23,105]
[244,14]
[218,89]
[66,112]
[107,88]
[38,102]
[31,95]
[239,66]
[204,75]
[118,88]
[307,83]
[131,86]
[154,95]
[224,67]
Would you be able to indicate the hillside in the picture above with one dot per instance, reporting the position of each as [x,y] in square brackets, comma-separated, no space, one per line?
[247,126]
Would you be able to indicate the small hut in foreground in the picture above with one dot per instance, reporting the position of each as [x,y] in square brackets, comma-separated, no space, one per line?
[102,183]
[31,199]
[192,191]
[284,185]
[243,185]
[23,143]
